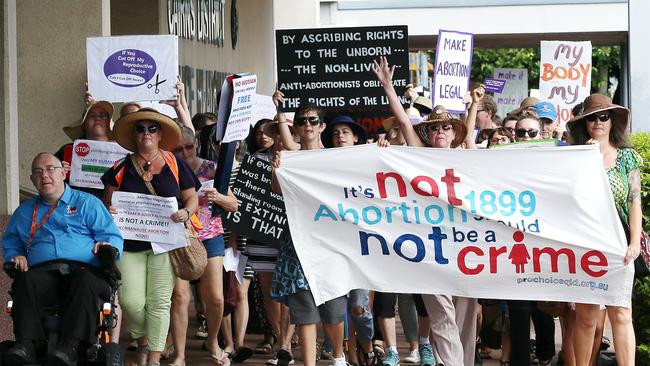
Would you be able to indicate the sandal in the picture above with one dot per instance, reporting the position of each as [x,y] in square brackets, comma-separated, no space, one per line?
[168,352]
[221,361]
[140,351]
[242,354]
[265,347]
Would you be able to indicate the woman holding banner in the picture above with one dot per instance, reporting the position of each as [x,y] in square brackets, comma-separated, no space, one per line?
[211,284]
[148,278]
[452,319]
[605,124]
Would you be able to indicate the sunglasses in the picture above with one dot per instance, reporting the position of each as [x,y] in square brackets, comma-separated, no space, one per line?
[522,132]
[601,117]
[301,121]
[151,128]
[437,127]
[188,147]
[103,116]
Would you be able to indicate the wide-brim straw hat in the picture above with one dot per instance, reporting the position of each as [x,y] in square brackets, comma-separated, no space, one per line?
[77,130]
[124,133]
[596,103]
[528,102]
[440,115]
[326,136]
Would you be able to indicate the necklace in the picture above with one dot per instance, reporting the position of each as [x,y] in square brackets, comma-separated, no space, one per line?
[147,175]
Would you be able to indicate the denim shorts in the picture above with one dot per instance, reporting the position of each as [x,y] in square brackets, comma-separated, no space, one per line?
[214,246]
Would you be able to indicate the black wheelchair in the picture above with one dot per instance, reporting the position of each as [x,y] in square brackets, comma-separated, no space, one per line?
[101,352]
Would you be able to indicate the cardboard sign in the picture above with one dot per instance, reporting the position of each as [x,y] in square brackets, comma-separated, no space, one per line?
[91,159]
[515,90]
[261,215]
[148,218]
[132,68]
[452,70]
[241,112]
[494,85]
[451,216]
[263,108]
[332,67]
[565,75]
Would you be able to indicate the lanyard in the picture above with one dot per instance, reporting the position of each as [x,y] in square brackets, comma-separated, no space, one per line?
[34,228]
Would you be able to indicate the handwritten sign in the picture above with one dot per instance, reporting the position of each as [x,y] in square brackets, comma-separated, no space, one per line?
[448,215]
[241,112]
[565,75]
[452,70]
[132,68]
[515,90]
[331,67]
[261,212]
[90,159]
[263,108]
[148,218]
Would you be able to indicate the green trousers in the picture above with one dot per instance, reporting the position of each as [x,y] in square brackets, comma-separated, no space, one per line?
[145,295]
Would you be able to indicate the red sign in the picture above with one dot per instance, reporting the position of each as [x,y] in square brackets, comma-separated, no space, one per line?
[82,149]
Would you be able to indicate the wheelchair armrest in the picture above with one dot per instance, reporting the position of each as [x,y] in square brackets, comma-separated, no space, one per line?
[11,268]
[107,256]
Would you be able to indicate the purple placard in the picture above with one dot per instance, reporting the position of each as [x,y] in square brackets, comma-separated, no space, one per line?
[471,58]
[129,68]
[494,85]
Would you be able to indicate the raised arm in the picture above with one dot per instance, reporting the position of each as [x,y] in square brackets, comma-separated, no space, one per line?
[385,76]
[470,121]
[283,127]
[180,105]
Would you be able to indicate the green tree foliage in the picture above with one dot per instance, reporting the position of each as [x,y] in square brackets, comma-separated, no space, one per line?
[641,300]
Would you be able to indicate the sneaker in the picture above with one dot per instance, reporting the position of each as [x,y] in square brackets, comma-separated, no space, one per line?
[413,357]
[202,332]
[392,358]
[426,355]
[274,362]
[284,358]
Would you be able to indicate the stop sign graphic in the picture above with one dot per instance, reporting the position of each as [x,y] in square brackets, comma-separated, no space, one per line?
[82,149]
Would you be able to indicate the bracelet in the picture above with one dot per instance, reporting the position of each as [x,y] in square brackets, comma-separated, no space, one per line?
[188,213]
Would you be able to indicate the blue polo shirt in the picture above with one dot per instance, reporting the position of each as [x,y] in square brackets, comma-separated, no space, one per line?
[78,222]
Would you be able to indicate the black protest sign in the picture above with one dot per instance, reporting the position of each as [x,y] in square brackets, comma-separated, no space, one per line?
[332,68]
[261,214]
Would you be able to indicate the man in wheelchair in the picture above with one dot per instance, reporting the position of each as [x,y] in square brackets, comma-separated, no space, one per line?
[52,240]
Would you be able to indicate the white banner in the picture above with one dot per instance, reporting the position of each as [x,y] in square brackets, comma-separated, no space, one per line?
[241,112]
[132,68]
[91,159]
[452,70]
[148,218]
[515,90]
[565,75]
[422,220]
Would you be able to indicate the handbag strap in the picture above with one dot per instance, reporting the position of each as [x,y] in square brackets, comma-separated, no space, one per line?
[140,171]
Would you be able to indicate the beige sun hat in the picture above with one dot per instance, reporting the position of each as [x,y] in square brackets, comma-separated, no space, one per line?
[76,130]
[124,133]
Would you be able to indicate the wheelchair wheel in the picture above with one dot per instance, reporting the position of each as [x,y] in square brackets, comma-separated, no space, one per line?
[113,355]
[4,346]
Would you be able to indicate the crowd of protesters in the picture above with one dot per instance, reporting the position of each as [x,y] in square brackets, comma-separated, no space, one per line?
[171,158]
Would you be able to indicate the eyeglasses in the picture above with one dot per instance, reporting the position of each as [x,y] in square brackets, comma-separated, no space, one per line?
[601,117]
[522,132]
[500,141]
[151,128]
[436,127]
[188,147]
[301,121]
[103,116]
[50,169]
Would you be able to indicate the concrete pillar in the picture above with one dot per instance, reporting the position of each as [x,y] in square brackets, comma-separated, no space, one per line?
[639,75]
[9,183]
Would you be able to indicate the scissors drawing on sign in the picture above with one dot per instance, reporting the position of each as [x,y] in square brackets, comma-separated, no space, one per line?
[149,86]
